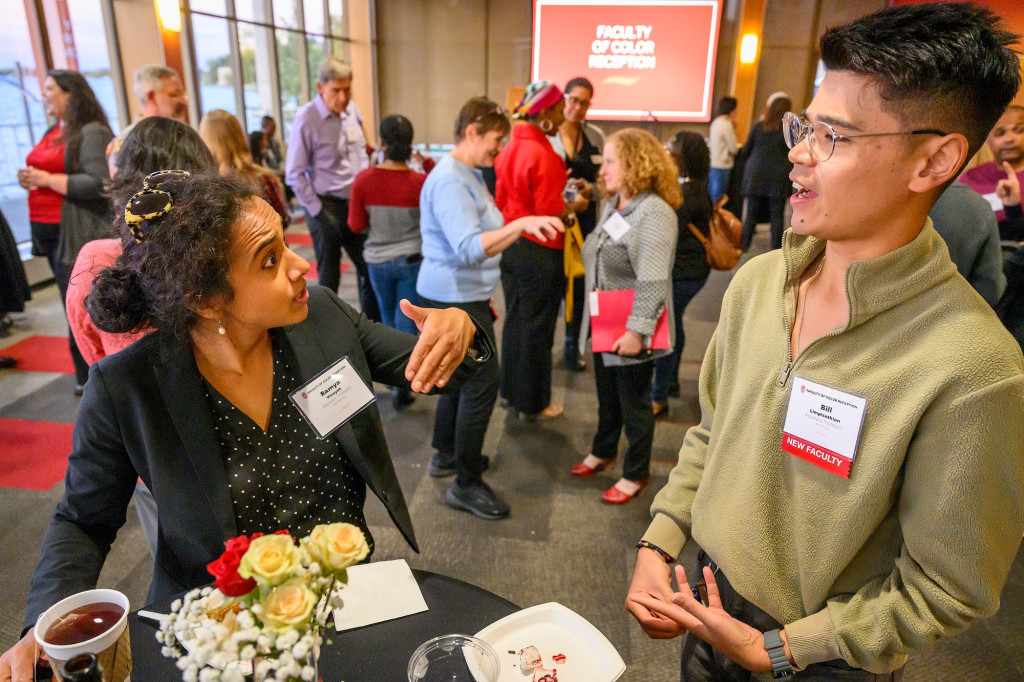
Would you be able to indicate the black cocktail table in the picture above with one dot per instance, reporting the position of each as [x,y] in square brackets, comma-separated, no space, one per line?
[374,653]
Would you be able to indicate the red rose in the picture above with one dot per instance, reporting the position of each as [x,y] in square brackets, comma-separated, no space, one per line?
[225,569]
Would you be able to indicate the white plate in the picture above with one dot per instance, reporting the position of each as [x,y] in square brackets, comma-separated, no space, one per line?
[553,629]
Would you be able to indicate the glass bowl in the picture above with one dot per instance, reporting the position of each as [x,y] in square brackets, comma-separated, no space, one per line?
[453,658]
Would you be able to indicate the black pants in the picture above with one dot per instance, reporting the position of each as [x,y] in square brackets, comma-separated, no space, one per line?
[533,277]
[572,328]
[46,238]
[701,662]
[460,422]
[624,401]
[330,233]
[756,207]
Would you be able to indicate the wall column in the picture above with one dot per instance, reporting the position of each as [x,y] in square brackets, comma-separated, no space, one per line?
[744,76]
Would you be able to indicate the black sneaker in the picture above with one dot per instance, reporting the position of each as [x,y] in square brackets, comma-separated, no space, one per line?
[442,464]
[479,500]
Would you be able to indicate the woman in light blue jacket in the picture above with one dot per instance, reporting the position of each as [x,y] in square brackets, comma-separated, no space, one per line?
[463,237]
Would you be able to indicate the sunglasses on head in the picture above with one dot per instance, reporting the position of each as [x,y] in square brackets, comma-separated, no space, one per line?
[493,111]
[150,203]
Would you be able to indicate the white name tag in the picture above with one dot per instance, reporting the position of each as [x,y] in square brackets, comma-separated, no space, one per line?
[823,425]
[595,310]
[616,226]
[994,201]
[596,159]
[332,397]
[353,134]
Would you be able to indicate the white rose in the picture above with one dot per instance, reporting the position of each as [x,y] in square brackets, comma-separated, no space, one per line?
[337,546]
[288,606]
[270,560]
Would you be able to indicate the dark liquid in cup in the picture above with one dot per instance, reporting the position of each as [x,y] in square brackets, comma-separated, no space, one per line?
[83,623]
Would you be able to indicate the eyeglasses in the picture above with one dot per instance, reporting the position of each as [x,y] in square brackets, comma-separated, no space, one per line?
[150,203]
[576,101]
[822,138]
[493,111]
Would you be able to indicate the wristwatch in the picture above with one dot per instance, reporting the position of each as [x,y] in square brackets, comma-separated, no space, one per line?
[781,667]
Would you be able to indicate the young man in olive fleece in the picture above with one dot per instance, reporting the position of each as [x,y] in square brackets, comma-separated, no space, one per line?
[835,573]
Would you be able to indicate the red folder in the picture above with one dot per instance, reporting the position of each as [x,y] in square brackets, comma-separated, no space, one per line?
[608,320]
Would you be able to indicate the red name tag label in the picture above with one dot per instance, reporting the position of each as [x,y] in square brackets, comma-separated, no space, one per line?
[826,459]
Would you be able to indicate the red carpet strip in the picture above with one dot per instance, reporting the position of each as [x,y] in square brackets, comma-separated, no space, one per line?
[41,354]
[33,455]
[299,239]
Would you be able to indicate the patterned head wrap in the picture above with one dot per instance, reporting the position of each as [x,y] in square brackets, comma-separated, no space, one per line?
[538,97]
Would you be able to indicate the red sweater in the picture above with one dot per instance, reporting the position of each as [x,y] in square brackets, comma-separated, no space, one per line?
[44,204]
[531,177]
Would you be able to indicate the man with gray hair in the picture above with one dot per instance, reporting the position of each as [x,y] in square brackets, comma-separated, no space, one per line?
[160,93]
[326,150]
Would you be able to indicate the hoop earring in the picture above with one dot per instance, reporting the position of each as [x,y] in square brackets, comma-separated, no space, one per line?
[547,129]
[220,328]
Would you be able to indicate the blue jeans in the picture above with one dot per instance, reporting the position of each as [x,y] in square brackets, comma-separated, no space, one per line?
[392,281]
[718,182]
[666,368]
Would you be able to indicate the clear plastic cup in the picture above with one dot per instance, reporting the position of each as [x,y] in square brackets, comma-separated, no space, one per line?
[453,658]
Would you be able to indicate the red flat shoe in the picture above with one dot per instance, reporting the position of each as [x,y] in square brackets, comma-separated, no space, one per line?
[583,470]
[615,496]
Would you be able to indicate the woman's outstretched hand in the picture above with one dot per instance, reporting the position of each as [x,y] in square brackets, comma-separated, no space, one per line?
[445,336]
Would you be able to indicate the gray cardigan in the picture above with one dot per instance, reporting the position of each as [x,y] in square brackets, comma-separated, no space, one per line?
[85,213]
[641,260]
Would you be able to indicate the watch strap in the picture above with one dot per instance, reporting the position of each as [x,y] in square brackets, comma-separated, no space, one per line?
[781,667]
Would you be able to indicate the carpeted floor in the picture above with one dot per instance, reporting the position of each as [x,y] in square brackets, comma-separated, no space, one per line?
[560,543]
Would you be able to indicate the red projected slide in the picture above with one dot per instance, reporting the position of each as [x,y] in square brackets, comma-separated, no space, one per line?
[647,60]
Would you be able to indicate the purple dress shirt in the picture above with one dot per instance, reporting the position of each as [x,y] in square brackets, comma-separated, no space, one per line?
[325,153]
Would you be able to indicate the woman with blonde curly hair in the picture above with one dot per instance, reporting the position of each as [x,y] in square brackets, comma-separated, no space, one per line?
[223,134]
[633,247]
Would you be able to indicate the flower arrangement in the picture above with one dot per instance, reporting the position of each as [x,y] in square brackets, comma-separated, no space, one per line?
[270,599]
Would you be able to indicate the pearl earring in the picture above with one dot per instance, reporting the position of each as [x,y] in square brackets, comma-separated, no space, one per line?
[220,328]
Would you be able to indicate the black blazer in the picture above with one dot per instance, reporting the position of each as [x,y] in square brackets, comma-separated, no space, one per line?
[143,416]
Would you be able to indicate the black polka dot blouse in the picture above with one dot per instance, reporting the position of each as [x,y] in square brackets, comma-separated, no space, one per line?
[285,478]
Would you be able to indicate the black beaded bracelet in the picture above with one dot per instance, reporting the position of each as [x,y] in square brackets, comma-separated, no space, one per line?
[643,544]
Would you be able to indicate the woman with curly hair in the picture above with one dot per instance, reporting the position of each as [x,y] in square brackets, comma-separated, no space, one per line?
[200,409]
[633,247]
[64,175]
[223,134]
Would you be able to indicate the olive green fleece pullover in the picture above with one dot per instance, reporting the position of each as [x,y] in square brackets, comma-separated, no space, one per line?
[917,543]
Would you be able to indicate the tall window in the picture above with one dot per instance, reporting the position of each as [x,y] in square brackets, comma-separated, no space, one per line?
[276,43]
[92,54]
[22,119]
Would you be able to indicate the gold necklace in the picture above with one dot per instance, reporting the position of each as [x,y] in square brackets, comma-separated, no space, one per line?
[803,309]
